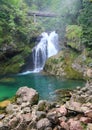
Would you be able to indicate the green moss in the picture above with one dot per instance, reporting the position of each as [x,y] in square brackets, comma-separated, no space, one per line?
[55,61]
[6,80]
[73,34]
[71,73]
[84,126]
[12,66]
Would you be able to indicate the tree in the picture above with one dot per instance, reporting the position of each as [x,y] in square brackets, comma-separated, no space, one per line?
[85,20]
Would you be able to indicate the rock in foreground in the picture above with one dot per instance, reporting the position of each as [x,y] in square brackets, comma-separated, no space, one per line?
[29,114]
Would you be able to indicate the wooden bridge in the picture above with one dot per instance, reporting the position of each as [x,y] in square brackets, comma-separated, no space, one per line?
[41,14]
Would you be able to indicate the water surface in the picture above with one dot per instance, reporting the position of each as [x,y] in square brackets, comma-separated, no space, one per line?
[44,84]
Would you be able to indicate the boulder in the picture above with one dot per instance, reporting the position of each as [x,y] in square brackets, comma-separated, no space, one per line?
[12,108]
[43,124]
[40,114]
[89,127]
[75,125]
[85,120]
[43,105]
[88,113]
[53,117]
[2,116]
[25,94]
[62,110]
[32,125]
[27,117]
[64,125]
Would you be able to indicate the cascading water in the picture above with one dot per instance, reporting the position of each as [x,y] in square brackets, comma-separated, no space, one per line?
[40,53]
[47,47]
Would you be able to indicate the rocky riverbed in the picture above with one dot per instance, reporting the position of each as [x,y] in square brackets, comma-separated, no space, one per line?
[28,113]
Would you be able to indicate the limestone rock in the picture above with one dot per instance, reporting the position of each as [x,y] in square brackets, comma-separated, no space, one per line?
[75,125]
[89,113]
[85,120]
[43,105]
[11,108]
[43,124]
[89,127]
[64,125]
[62,110]
[25,94]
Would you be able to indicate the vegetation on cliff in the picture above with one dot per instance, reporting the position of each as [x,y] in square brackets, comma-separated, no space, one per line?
[78,42]
[18,31]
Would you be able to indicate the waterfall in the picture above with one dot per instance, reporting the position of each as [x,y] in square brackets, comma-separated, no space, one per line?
[47,47]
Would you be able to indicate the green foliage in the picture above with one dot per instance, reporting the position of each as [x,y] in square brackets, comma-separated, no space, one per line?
[73,32]
[85,20]
[73,35]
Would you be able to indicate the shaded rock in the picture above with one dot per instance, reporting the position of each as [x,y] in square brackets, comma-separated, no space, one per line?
[4,128]
[58,128]
[53,117]
[43,124]
[25,94]
[48,128]
[88,113]
[32,126]
[64,125]
[2,116]
[27,117]
[26,110]
[43,105]
[13,122]
[11,108]
[40,114]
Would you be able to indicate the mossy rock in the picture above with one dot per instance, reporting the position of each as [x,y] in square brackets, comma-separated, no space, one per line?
[62,96]
[13,65]
[71,73]
[61,65]
[7,80]
[4,104]
[73,35]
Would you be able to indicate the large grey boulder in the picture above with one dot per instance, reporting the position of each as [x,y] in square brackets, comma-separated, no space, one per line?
[25,94]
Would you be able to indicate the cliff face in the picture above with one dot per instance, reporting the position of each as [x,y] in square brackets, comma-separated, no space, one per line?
[74,59]
[68,64]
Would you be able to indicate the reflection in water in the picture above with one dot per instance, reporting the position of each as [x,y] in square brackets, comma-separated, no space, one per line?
[44,84]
